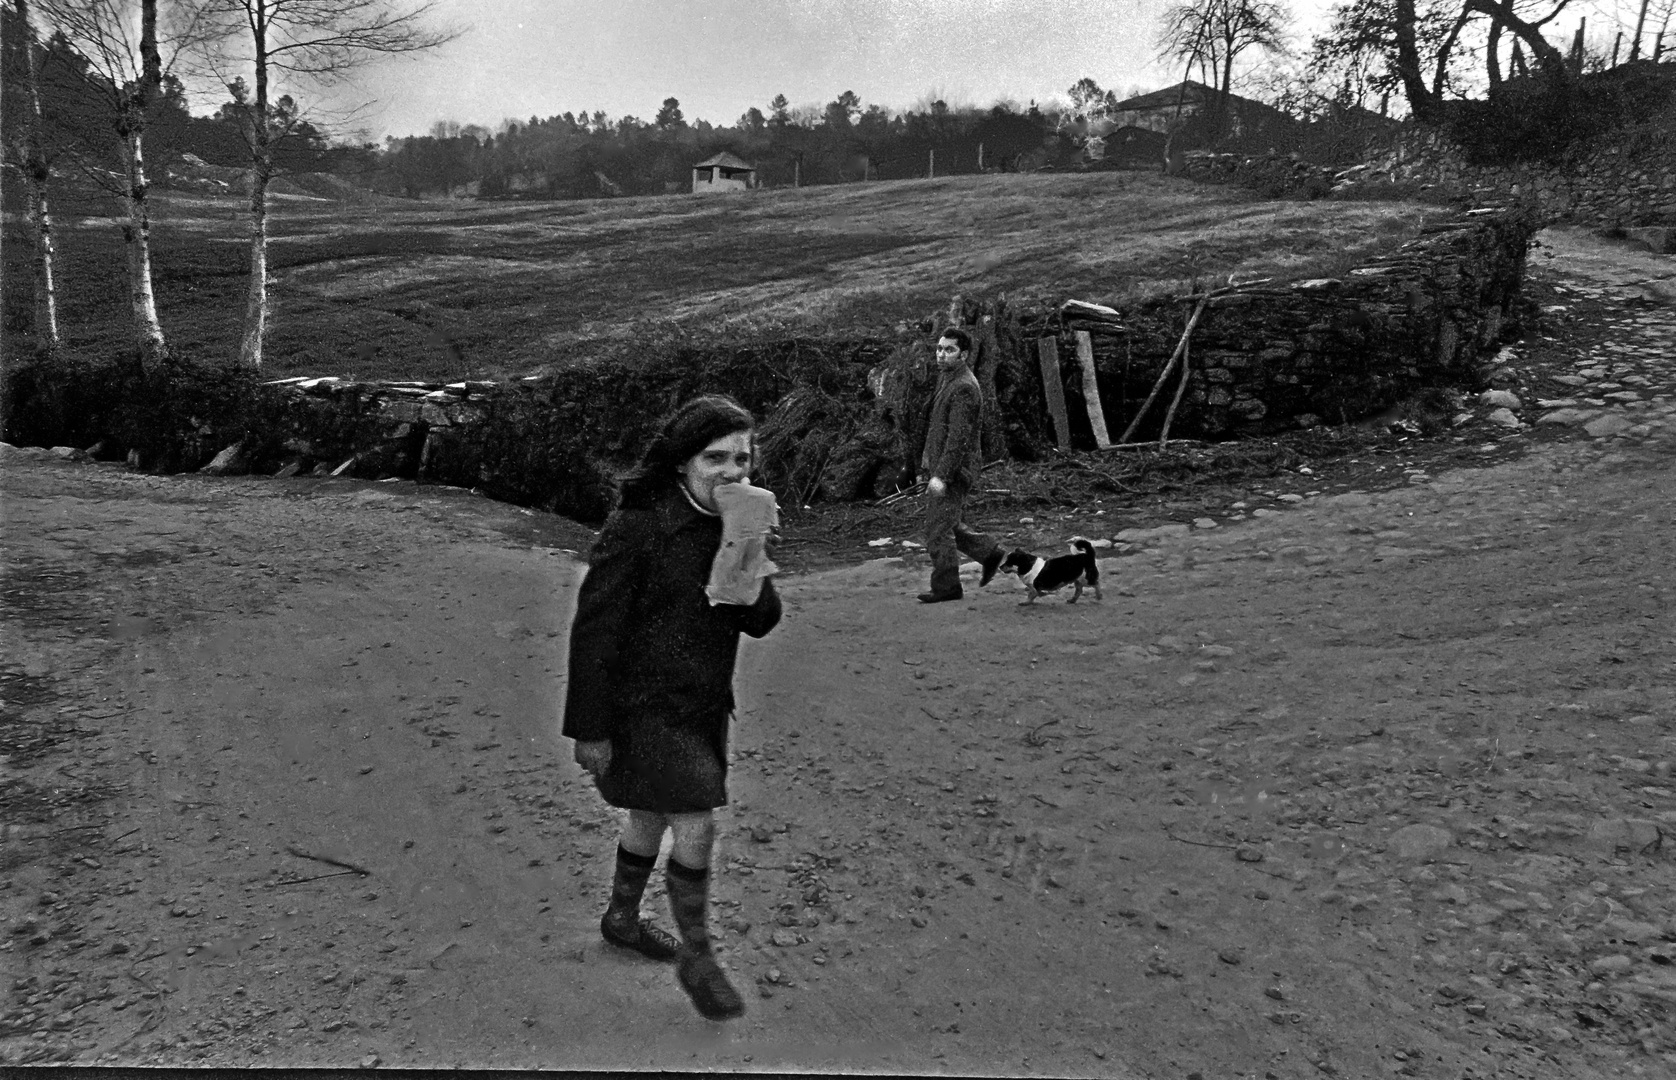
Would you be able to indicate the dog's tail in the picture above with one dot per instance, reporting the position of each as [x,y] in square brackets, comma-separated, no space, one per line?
[1087,549]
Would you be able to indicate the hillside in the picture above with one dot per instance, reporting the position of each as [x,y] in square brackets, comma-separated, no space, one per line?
[452,290]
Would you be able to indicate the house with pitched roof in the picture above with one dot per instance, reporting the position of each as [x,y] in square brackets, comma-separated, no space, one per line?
[723,172]
[1173,107]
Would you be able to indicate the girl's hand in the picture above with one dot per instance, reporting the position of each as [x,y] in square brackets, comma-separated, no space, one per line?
[594,757]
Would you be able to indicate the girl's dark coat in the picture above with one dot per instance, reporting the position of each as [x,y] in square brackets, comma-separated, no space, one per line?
[651,661]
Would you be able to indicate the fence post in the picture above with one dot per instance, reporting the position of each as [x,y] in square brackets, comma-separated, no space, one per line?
[1047,354]
[1091,390]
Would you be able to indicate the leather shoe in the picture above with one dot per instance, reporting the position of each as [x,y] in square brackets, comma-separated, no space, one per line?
[707,985]
[626,930]
[939,597]
[990,565]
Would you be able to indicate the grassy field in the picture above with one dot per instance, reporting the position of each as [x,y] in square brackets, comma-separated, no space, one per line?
[398,289]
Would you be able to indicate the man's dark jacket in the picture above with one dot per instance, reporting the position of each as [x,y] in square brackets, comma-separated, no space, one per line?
[953,442]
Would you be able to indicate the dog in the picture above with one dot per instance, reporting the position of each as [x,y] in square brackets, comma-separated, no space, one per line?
[1042,576]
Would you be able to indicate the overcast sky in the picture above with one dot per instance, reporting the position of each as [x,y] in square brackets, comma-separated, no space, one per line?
[523,58]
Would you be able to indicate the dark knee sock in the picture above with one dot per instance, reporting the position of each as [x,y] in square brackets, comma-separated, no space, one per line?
[689,900]
[629,882]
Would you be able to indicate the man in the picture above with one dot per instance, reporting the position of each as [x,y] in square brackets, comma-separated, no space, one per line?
[953,458]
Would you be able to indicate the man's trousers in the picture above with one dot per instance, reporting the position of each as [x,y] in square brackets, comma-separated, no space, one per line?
[947,537]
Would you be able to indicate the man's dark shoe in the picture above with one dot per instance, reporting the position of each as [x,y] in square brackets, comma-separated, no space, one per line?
[707,985]
[631,931]
[990,565]
[939,597]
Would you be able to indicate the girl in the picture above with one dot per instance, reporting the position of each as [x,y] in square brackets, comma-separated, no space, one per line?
[651,682]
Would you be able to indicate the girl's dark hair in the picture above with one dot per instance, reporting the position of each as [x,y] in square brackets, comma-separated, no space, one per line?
[688,430]
[959,337]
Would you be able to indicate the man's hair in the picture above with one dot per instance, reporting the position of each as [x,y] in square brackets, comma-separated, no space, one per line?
[685,433]
[959,337]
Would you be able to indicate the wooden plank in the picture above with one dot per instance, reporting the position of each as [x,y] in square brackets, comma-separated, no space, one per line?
[1091,389]
[1047,352]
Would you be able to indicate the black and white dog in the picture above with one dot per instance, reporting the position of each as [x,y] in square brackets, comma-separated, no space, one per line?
[1042,576]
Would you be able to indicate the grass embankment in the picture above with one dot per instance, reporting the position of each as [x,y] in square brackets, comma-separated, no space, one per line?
[401,290]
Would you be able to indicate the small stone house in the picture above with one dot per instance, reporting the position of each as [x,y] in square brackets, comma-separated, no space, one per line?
[723,172]
[1163,110]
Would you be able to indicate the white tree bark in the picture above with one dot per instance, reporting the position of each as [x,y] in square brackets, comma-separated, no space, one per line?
[136,235]
[261,168]
[256,299]
[37,173]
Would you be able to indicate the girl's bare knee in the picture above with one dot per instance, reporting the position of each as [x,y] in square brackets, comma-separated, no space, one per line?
[695,834]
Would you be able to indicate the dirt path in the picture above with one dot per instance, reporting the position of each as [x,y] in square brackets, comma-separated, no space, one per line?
[1366,784]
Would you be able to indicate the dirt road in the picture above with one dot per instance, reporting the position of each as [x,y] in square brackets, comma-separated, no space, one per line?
[1374,783]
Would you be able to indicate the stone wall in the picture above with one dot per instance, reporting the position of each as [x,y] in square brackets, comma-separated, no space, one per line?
[1326,350]
[1626,180]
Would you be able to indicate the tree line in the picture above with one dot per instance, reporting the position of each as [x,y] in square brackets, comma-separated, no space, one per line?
[590,154]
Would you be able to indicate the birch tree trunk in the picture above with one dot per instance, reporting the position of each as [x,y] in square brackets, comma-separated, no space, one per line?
[37,173]
[256,299]
[261,169]
[136,235]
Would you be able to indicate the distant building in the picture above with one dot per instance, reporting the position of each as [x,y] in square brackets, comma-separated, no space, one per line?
[1166,110]
[1128,147]
[723,172]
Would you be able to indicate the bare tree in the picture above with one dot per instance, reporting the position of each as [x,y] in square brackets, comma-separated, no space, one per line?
[305,42]
[1415,44]
[1212,34]
[30,156]
[122,44]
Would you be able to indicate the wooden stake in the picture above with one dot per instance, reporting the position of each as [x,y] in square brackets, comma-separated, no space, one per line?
[1047,354]
[1091,389]
[1181,388]
[1163,376]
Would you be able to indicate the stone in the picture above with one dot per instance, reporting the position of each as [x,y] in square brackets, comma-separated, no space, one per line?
[1636,835]
[1501,399]
[1505,418]
[230,462]
[1632,930]
[1611,424]
[1566,416]
[1419,843]
[1611,965]
[783,939]
[1659,239]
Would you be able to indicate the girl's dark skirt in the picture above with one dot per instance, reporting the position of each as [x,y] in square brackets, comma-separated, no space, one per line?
[667,764]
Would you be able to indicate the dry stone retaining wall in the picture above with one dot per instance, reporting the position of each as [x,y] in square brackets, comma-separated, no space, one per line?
[1331,349]
[1627,180]
[840,418]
